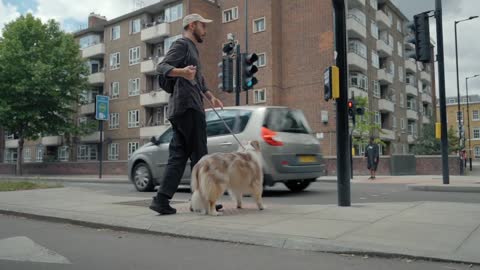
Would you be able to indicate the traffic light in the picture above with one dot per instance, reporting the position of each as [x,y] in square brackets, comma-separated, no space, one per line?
[248,71]
[421,38]
[331,83]
[226,74]
[351,109]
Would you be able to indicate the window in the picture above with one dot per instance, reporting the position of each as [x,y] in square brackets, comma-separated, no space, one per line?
[135,26]
[475,116]
[376,89]
[114,61]
[115,34]
[174,13]
[394,122]
[133,119]
[39,154]
[134,87]
[411,104]
[374,4]
[115,90]
[27,155]
[88,41]
[374,29]
[114,121]
[169,41]
[87,152]
[451,100]
[134,56]
[359,80]
[259,25]
[113,151]
[63,153]
[286,120]
[477,152]
[402,124]
[377,119]
[358,48]
[399,26]
[476,133]
[391,68]
[11,155]
[400,74]
[375,60]
[132,147]
[400,49]
[230,14]
[262,60]
[259,96]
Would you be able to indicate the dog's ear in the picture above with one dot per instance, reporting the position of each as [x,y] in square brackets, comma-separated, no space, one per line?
[255,145]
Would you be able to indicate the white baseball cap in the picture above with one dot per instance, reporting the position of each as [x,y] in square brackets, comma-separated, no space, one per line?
[194,18]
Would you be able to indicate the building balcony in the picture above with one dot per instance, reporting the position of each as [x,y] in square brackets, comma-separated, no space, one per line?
[357,62]
[357,92]
[11,144]
[411,139]
[411,90]
[156,33]
[87,109]
[148,67]
[356,4]
[425,119]
[383,21]
[425,76]
[384,77]
[411,114]
[97,79]
[95,51]
[154,98]
[355,27]
[385,105]
[91,138]
[148,132]
[384,50]
[410,65]
[387,134]
[426,98]
[52,140]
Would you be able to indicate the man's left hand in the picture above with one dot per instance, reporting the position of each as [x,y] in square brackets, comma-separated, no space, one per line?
[217,102]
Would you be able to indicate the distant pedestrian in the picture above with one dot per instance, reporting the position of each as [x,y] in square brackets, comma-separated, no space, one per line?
[372,153]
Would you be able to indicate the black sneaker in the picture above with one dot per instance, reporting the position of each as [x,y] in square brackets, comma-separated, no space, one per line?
[161,205]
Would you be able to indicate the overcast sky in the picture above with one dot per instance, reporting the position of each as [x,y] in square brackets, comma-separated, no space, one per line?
[73,14]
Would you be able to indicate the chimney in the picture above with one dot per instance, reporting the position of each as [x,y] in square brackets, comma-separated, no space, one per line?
[96,19]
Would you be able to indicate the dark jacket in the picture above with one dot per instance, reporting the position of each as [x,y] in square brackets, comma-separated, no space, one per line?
[186,94]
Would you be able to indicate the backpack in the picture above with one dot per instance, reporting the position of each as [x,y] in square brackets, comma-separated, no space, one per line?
[168,83]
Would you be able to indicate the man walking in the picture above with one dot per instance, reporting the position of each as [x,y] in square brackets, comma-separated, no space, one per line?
[372,154]
[185,109]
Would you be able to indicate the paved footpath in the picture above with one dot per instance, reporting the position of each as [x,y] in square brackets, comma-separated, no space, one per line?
[445,231]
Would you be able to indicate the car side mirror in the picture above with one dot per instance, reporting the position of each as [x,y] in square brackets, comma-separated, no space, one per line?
[154,140]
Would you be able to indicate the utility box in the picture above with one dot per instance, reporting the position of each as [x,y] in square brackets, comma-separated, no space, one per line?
[403,165]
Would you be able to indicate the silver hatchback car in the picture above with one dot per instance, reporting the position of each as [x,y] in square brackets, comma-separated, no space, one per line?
[291,154]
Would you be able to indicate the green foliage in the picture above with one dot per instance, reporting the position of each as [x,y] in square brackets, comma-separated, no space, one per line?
[365,125]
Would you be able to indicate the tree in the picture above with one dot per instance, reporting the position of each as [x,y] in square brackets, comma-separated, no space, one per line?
[41,78]
[453,140]
[365,125]
[427,144]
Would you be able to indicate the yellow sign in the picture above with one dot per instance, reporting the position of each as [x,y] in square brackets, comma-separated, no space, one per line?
[438,131]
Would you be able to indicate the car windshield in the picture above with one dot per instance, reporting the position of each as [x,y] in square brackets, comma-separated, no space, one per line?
[286,120]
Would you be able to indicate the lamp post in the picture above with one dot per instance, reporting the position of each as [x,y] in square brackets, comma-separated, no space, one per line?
[458,89]
[468,119]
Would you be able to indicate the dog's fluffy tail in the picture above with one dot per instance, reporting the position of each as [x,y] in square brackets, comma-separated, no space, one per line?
[197,202]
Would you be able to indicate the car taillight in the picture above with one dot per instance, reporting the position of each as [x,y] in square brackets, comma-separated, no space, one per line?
[268,136]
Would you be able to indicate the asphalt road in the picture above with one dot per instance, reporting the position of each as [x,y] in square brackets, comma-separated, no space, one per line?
[317,193]
[33,244]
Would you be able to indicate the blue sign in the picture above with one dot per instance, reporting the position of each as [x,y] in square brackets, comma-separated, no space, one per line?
[102,108]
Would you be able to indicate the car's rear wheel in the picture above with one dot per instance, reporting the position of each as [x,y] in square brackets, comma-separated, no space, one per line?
[142,178]
[298,185]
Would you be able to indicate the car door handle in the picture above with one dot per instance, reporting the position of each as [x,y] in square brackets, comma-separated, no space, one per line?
[226,144]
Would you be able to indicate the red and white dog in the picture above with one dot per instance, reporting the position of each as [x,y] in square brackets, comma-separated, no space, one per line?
[240,172]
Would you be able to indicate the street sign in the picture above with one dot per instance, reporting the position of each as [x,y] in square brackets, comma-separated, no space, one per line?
[102,108]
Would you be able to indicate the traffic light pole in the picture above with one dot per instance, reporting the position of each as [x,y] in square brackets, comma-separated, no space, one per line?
[343,169]
[238,75]
[246,41]
[441,81]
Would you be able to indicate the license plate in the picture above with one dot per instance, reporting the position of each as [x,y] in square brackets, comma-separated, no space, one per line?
[307,159]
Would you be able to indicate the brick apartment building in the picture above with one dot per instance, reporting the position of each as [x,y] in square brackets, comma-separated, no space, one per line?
[294,39]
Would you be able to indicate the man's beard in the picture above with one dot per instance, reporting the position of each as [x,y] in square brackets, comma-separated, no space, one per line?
[197,37]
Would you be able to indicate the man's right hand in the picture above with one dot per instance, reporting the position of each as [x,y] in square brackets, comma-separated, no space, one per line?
[189,72]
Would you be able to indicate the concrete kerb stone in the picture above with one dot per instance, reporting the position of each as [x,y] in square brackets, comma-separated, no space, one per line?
[474,188]
[65,180]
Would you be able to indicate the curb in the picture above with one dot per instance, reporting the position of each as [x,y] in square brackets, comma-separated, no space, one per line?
[445,188]
[227,236]
[56,180]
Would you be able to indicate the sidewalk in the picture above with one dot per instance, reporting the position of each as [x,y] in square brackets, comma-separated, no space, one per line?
[445,231]
[107,179]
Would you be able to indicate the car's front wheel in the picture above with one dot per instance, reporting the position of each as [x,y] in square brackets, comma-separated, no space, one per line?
[297,185]
[142,178]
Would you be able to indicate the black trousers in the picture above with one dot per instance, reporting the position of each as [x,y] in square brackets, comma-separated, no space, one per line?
[189,141]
